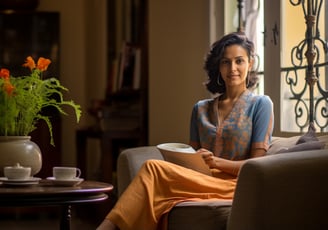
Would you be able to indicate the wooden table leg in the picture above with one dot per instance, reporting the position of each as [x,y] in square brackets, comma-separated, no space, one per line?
[106,158]
[81,144]
[65,221]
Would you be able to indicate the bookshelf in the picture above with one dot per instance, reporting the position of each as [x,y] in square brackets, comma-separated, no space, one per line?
[127,34]
[128,61]
[126,69]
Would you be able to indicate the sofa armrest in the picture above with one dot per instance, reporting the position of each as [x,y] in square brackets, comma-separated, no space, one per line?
[283,191]
[130,161]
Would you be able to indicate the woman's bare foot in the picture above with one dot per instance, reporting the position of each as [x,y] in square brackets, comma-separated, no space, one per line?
[107,225]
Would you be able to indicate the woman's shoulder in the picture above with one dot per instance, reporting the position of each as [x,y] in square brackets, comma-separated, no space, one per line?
[205,102]
[261,101]
[261,98]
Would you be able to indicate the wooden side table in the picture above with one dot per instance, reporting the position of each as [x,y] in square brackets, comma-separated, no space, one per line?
[108,139]
[46,194]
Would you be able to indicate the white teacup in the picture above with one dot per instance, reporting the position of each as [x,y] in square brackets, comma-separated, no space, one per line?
[17,172]
[66,173]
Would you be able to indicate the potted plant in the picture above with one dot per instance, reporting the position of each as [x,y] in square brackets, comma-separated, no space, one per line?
[22,100]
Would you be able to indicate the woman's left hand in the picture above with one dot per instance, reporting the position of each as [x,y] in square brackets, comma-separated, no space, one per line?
[208,158]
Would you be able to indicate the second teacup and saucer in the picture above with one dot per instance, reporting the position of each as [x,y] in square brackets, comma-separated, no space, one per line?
[66,176]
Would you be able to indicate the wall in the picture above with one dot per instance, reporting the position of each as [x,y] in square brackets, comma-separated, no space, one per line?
[82,59]
[272,67]
[178,41]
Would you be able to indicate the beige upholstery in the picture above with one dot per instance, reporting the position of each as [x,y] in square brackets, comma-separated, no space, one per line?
[282,191]
[130,161]
[200,215]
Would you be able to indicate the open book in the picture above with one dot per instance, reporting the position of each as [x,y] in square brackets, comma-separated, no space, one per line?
[185,156]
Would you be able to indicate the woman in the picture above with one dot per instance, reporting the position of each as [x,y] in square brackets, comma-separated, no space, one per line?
[227,130]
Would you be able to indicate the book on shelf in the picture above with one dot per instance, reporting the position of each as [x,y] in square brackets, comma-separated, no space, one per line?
[112,77]
[137,68]
[129,67]
[184,155]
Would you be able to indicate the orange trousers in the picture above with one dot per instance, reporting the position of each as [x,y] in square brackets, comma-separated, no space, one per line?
[158,187]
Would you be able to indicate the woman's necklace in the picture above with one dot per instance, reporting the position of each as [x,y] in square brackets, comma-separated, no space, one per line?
[224,109]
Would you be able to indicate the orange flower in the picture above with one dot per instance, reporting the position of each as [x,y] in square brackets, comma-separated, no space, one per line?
[43,64]
[8,87]
[4,73]
[29,63]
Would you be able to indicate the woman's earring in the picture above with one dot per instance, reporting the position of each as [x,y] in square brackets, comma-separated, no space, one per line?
[247,79]
[219,82]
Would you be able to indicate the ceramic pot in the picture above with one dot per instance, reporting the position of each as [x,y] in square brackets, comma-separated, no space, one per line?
[19,150]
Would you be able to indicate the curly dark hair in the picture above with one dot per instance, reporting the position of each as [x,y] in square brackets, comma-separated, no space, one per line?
[213,58]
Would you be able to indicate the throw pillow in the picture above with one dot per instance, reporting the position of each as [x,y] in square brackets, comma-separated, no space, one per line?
[309,136]
[303,147]
[307,141]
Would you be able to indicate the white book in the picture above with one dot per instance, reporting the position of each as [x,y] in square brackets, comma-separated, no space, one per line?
[184,155]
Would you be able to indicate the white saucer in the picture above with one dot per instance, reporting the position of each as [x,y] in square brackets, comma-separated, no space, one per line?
[71,182]
[29,181]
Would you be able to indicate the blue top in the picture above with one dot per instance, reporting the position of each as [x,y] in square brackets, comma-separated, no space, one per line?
[248,126]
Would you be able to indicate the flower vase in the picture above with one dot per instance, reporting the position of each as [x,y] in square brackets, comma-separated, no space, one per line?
[20,149]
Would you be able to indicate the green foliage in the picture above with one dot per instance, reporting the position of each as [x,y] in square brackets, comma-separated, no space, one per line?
[21,110]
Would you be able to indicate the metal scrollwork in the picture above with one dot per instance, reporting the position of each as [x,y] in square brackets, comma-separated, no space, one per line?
[315,109]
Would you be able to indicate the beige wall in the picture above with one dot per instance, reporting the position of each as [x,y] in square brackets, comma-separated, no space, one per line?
[82,59]
[272,67]
[178,41]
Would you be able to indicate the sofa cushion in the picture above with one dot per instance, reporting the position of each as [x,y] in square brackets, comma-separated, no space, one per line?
[312,145]
[308,141]
[209,215]
[309,136]
[297,143]
[324,139]
[279,143]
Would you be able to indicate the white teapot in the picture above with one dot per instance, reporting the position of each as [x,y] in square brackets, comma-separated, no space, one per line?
[17,172]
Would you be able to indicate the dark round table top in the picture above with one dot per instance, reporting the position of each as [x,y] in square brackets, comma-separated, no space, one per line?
[46,193]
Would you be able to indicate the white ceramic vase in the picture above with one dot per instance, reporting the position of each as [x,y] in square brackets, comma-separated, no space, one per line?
[20,149]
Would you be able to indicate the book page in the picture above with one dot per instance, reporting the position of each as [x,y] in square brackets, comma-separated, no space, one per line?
[184,157]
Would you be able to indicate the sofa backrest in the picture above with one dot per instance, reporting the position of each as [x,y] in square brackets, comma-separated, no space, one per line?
[283,191]
[130,161]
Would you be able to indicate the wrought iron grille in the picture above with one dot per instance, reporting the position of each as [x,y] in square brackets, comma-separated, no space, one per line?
[305,59]
[305,56]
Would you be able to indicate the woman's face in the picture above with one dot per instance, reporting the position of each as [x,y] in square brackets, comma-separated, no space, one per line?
[234,66]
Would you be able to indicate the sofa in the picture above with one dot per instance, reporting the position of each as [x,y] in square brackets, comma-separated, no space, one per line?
[287,189]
